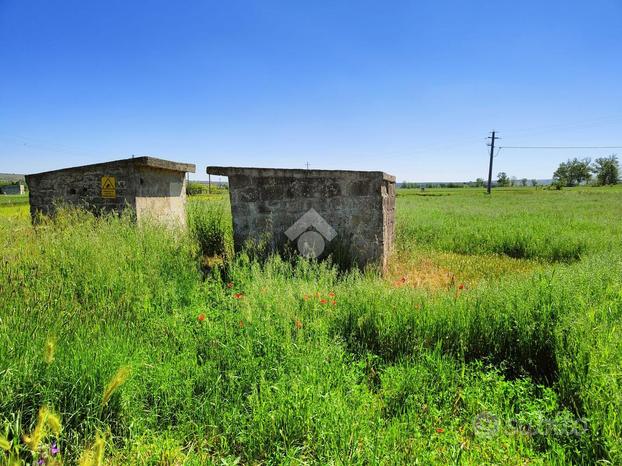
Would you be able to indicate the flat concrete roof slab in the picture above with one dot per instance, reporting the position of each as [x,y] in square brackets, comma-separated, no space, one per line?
[289,172]
[143,161]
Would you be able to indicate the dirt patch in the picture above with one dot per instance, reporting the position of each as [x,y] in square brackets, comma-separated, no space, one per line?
[420,272]
[438,271]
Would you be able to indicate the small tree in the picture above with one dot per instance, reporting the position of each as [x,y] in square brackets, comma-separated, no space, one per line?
[607,170]
[534,183]
[503,180]
[479,182]
[523,182]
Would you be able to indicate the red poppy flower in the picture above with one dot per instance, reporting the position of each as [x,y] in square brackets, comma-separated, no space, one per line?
[230,285]
[238,296]
[331,294]
[298,324]
[201,317]
[333,302]
[323,301]
[306,297]
[461,287]
[440,430]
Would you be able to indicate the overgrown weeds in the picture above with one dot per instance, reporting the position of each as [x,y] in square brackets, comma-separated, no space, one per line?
[287,360]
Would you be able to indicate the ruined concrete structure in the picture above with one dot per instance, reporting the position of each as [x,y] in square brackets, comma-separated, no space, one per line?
[349,214]
[154,188]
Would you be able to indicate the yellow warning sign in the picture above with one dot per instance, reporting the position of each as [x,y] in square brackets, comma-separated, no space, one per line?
[109,189]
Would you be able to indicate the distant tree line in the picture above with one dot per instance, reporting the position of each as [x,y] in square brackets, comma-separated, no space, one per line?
[503,180]
[576,171]
[602,171]
[411,185]
[194,188]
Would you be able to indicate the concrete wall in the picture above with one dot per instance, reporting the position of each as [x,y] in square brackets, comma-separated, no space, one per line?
[359,206]
[151,191]
[161,196]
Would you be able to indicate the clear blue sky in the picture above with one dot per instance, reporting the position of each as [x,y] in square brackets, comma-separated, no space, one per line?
[411,88]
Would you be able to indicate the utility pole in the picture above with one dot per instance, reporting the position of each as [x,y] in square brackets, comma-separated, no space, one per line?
[307,164]
[492,152]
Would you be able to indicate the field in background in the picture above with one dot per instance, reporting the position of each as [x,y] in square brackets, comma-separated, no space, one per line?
[494,338]
[14,208]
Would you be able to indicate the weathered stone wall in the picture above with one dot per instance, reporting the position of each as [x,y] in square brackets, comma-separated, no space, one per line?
[82,186]
[151,191]
[359,206]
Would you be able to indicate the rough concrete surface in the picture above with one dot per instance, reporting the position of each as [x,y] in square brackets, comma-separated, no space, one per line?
[358,205]
[155,188]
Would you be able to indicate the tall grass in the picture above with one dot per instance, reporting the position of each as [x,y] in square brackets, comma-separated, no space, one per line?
[210,226]
[294,361]
[529,224]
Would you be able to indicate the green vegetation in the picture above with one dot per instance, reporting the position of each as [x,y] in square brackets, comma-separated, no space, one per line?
[11,178]
[14,208]
[195,188]
[210,226]
[607,170]
[503,180]
[13,199]
[494,338]
[575,172]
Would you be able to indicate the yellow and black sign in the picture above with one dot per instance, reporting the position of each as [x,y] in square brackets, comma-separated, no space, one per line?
[109,187]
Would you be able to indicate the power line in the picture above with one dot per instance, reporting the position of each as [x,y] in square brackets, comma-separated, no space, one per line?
[563,126]
[560,147]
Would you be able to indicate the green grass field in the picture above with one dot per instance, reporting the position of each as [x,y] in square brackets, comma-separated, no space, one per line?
[494,338]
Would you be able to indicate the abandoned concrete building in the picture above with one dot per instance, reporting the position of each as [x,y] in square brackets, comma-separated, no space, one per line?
[347,214]
[153,187]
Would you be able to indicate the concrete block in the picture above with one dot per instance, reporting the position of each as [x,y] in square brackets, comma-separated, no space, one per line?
[154,188]
[358,206]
